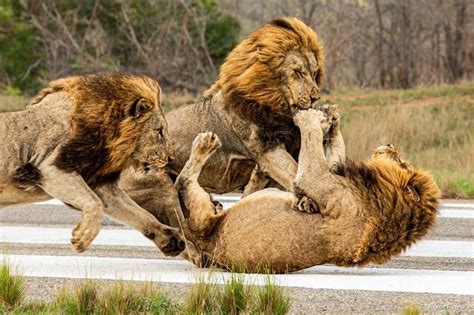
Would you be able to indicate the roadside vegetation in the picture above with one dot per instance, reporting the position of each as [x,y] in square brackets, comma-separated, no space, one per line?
[433,127]
[207,296]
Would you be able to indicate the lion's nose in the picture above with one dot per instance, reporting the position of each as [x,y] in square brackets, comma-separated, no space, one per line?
[315,98]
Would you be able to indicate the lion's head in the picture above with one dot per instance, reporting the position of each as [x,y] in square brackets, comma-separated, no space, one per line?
[399,203]
[116,120]
[279,65]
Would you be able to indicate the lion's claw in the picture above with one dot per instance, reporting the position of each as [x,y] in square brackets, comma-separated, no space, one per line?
[307,205]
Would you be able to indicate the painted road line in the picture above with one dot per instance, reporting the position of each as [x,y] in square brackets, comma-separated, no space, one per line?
[469,206]
[320,277]
[113,237]
[460,212]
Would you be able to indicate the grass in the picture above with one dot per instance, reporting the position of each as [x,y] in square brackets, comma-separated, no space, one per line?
[432,125]
[12,288]
[235,297]
[119,297]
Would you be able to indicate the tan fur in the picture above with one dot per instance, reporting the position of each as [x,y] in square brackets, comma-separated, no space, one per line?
[368,211]
[72,143]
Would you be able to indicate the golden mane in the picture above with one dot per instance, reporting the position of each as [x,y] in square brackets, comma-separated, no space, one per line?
[400,206]
[248,71]
[104,131]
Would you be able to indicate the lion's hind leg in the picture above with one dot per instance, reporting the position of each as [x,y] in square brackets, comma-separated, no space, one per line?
[203,212]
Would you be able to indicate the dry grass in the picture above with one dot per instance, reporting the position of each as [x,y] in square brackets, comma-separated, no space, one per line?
[436,136]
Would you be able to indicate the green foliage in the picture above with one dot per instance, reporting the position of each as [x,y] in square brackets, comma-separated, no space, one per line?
[20,53]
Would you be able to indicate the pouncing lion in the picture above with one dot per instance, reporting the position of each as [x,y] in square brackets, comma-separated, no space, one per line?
[72,143]
[273,72]
[368,211]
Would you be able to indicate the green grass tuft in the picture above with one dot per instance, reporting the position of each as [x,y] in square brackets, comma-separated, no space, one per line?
[272,299]
[412,310]
[12,288]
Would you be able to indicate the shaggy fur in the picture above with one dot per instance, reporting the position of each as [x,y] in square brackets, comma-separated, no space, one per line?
[369,211]
[72,143]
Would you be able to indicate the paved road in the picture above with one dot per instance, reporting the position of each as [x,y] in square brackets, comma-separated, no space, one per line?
[437,273]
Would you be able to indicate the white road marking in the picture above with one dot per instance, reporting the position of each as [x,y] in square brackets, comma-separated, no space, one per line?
[455,211]
[113,237]
[176,271]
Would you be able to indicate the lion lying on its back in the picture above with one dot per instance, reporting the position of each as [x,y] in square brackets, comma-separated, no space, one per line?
[73,142]
[368,211]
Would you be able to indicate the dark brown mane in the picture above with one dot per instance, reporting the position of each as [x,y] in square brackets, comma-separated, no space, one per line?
[103,133]
[395,218]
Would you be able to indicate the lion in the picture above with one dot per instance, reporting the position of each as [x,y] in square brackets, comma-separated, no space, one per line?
[73,141]
[369,211]
[265,79]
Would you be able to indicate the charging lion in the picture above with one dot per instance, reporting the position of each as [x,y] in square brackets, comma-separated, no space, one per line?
[72,143]
[368,211]
[275,71]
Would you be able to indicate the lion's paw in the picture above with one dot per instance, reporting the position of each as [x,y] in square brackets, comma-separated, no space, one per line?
[83,233]
[205,144]
[307,205]
[312,119]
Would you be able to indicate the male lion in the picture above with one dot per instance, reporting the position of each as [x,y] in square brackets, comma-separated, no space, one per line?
[368,211]
[268,76]
[72,143]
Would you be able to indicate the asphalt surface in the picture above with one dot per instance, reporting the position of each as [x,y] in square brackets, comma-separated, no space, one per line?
[415,278]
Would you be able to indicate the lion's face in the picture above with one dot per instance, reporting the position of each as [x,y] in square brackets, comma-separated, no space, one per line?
[298,75]
[153,149]
[280,65]
[389,151]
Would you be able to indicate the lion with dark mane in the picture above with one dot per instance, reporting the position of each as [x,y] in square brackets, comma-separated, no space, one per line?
[72,143]
[368,211]
[272,73]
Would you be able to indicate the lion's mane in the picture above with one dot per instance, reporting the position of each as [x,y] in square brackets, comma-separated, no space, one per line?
[248,82]
[104,131]
[399,205]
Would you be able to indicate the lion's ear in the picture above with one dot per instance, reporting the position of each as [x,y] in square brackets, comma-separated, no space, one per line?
[412,190]
[140,107]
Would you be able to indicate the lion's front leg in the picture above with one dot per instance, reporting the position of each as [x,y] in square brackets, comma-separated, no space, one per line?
[71,189]
[279,165]
[203,213]
[121,207]
[314,178]
[335,148]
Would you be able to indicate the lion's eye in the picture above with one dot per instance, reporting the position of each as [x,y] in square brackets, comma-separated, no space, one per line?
[316,75]
[160,132]
[298,73]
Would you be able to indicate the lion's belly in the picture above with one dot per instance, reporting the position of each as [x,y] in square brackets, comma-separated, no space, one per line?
[263,230]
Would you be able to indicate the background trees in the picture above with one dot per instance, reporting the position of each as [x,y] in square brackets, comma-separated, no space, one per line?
[181,43]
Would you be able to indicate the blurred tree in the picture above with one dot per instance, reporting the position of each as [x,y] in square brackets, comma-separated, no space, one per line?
[20,53]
